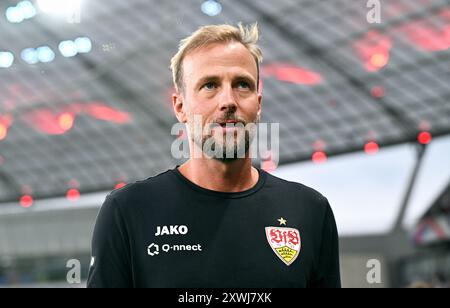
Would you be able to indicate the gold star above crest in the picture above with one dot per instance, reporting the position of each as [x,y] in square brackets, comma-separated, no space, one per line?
[282,221]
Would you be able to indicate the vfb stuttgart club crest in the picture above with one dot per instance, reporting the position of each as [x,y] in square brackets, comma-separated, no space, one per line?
[285,242]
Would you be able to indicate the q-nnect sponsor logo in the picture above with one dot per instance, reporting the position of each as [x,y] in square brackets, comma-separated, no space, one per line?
[155,249]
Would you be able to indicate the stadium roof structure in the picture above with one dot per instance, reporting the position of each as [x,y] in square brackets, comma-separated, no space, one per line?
[88,114]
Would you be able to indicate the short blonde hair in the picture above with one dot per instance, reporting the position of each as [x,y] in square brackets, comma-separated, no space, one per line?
[207,35]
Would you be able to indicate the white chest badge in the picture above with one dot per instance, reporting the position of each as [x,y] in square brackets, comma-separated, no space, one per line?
[285,242]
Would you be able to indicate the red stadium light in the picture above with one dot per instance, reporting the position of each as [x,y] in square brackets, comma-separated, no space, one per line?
[291,73]
[26,201]
[119,185]
[104,112]
[49,122]
[5,123]
[371,148]
[378,92]
[66,121]
[319,157]
[379,60]
[424,138]
[373,50]
[3,131]
[45,121]
[73,194]
[428,35]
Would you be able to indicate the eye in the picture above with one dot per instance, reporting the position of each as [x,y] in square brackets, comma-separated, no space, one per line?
[209,86]
[243,85]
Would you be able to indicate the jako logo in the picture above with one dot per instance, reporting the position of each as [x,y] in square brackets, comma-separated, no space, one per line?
[171,230]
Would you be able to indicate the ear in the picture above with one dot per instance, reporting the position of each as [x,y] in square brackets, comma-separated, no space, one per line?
[178,107]
[259,104]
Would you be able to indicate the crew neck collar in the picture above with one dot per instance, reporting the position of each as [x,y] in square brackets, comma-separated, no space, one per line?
[220,194]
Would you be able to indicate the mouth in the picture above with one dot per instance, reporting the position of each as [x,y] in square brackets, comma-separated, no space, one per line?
[232,122]
[226,127]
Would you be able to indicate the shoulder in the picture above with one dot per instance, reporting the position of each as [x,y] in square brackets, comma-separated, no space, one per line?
[301,198]
[283,186]
[298,193]
[134,193]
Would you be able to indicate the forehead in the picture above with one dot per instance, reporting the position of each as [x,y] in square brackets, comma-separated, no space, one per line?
[220,58]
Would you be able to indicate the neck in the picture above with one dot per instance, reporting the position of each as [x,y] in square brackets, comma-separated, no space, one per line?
[212,174]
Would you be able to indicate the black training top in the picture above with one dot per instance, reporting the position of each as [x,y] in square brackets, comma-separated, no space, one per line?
[169,232]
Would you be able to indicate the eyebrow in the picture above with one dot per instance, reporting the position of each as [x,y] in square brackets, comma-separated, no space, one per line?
[210,78]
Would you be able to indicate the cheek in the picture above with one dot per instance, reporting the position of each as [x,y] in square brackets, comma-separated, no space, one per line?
[250,107]
[201,109]
[202,106]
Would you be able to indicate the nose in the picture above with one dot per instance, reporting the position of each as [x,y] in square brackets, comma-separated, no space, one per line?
[228,101]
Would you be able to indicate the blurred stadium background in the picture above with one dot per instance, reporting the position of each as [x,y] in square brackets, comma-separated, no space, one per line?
[364,113]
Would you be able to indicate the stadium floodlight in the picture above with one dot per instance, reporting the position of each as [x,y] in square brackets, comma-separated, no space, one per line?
[68,49]
[22,11]
[14,15]
[211,8]
[6,59]
[45,54]
[83,44]
[27,8]
[29,55]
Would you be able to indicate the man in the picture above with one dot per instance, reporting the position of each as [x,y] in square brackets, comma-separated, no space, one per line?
[216,221]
